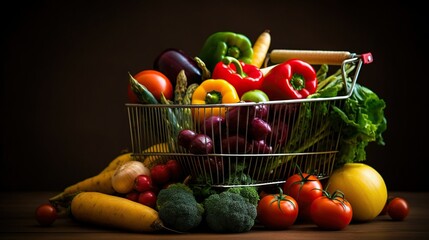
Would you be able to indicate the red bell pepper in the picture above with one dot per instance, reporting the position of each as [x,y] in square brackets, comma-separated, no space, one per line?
[244,77]
[292,79]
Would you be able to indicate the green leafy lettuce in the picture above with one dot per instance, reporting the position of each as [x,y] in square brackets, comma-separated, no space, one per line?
[358,120]
[363,122]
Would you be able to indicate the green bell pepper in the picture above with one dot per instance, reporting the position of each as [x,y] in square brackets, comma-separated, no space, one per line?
[223,44]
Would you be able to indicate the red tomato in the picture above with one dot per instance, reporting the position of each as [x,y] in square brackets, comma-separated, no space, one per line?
[397,208]
[143,183]
[384,211]
[331,212]
[133,196]
[175,169]
[277,211]
[46,214]
[156,82]
[148,198]
[304,188]
[160,174]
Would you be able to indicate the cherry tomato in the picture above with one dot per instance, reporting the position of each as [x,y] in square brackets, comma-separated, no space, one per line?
[143,183]
[155,81]
[133,195]
[331,212]
[148,198]
[46,214]
[304,188]
[175,169]
[398,208]
[384,210]
[277,211]
[160,174]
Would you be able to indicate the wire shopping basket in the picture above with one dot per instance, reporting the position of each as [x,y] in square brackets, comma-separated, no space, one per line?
[300,136]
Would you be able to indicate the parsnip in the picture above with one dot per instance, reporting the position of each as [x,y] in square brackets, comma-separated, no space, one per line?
[118,161]
[265,70]
[316,57]
[98,183]
[114,211]
[260,48]
[101,182]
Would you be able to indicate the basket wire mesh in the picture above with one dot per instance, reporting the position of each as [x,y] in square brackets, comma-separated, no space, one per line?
[306,141]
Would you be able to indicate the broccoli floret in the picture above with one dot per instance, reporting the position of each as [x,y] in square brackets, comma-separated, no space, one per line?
[201,192]
[178,208]
[238,175]
[229,212]
[249,192]
[239,178]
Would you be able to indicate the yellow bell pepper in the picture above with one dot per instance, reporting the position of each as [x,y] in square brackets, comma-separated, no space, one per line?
[213,91]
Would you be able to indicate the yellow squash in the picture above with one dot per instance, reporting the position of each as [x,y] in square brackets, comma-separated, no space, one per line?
[114,211]
[151,160]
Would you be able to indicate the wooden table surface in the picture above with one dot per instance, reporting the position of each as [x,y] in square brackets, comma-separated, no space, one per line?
[17,222]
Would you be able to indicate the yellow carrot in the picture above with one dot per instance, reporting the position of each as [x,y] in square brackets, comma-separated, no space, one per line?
[151,160]
[98,183]
[260,48]
[113,211]
[118,161]
[102,182]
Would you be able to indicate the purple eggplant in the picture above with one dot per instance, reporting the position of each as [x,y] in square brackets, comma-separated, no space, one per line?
[171,61]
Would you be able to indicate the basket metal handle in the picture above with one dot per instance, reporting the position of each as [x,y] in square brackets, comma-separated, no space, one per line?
[318,57]
[359,60]
[310,56]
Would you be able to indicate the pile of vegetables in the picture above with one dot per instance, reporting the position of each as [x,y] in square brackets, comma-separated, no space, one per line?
[225,72]
[235,116]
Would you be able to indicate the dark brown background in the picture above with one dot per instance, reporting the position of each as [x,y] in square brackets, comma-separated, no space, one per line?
[65,64]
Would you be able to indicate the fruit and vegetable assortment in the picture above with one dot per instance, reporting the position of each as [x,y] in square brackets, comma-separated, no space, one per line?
[237,106]
[156,193]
